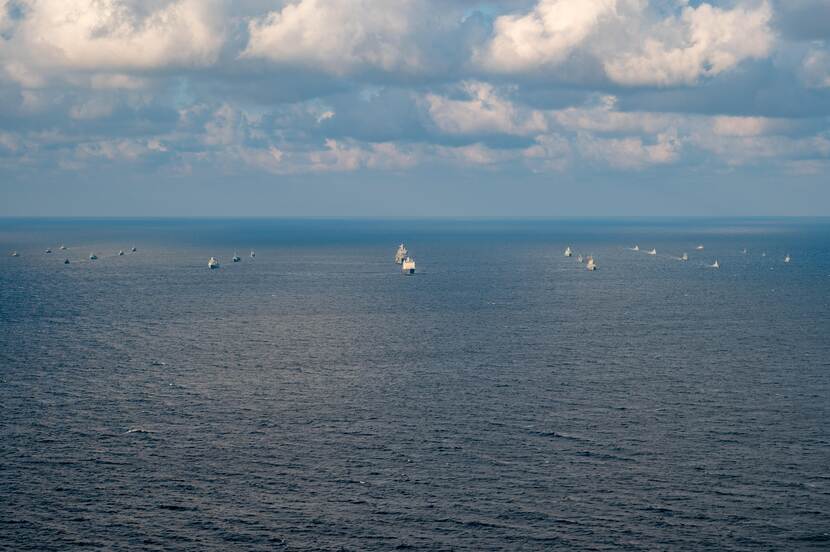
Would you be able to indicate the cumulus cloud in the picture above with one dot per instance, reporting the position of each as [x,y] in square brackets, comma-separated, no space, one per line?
[9,141]
[341,36]
[483,111]
[815,68]
[628,40]
[809,167]
[744,150]
[334,156]
[108,36]
[546,35]
[704,41]
[5,17]
[551,152]
[93,109]
[477,155]
[323,86]
[338,156]
[269,159]
[740,126]
[605,118]
[227,126]
[118,150]
[630,152]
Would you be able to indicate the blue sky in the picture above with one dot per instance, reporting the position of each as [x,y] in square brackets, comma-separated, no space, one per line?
[414,107]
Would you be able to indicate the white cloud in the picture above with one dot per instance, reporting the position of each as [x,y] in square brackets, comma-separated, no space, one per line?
[107,35]
[630,152]
[551,152]
[116,81]
[390,156]
[117,150]
[486,111]
[324,116]
[339,156]
[228,126]
[92,109]
[546,35]
[335,156]
[628,40]
[475,154]
[268,159]
[9,141]
[809,167]
[5,18]
[605,118]
[704,41]
[740,126]
[815,68]
[341,36]
[102,81]
[121,42]
[744,150]
[350,156]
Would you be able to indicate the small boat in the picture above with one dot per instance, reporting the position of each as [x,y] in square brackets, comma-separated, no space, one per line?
[653,252]
[408,265]
[133,249]
[684,257]
[213,263]
[787,258]
[93,257]
[236,258]
[591,264]
[48,250]
[400,254]
[63,247]
[579,259]
[716,264]
[699,247]
[120,253]
[743,250]
[15,254]
[66,261]
[568,252]
[635,248]
[253,254]
[764,254]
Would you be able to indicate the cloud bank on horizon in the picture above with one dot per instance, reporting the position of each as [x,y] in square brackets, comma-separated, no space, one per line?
[174,87]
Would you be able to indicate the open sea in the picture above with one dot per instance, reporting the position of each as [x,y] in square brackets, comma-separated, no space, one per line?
[502,398]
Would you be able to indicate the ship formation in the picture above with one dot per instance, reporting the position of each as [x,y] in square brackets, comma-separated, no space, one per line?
[716,264]
[402,258]
[588,260]
[407,262]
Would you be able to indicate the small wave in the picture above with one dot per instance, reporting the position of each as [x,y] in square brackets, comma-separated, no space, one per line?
[176,508]
[105,462]
[603,456]
[566,436]
[137,430]
[816,537]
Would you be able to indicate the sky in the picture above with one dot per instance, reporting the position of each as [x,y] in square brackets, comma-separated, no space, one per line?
[414,108]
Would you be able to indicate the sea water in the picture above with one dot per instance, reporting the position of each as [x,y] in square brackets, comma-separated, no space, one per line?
[502,398]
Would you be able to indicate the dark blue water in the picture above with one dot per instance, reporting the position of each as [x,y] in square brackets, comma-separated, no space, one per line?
[502,398]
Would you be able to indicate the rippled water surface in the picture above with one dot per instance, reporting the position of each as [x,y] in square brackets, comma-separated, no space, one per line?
[502,398]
